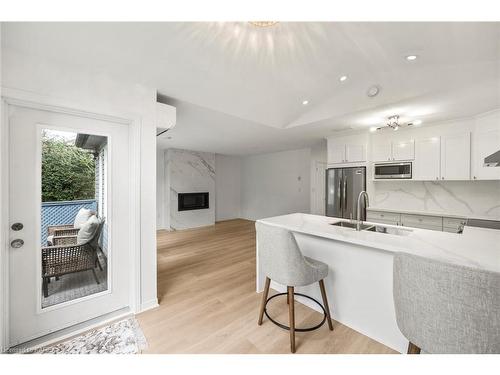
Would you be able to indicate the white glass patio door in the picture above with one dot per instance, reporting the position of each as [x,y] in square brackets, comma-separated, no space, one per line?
[29,316]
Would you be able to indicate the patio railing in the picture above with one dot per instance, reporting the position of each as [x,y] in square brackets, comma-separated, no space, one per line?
[64,212]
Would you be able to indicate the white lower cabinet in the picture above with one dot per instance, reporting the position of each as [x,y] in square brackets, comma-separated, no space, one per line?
[383,217]
[422,221]
[452,224]
[437,223]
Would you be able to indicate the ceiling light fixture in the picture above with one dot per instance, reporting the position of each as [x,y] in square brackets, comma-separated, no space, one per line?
[393,123]
[262,23]
[343,78]
[305,102]
[411,57]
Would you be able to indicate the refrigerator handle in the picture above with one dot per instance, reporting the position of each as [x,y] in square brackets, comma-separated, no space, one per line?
[340,195]
[345,193]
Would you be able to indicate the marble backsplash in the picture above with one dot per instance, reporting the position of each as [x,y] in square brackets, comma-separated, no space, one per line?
[190,172]
[468,198]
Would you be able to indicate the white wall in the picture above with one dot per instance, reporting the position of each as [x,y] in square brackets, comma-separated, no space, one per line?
[75,87]
[318,184]
[275,184]
[227,187]
[162,216]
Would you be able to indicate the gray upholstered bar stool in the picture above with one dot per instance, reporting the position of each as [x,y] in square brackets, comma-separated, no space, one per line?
[446,308]
[282,261]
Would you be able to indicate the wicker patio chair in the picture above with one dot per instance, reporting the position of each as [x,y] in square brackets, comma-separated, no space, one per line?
[69,257]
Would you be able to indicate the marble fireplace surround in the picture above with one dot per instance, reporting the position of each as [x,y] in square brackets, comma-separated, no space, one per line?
[190,172]
[468,198]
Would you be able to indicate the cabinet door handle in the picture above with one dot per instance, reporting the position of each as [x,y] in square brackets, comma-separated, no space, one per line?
[442,178]
[475,177]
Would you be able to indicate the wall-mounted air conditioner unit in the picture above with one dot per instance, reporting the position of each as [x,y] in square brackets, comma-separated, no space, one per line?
[166,117]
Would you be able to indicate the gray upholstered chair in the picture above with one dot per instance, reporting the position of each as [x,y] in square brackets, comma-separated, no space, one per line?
[282,261]
[446,308]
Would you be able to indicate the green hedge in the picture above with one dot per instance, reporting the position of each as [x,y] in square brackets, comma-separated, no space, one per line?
[68,172]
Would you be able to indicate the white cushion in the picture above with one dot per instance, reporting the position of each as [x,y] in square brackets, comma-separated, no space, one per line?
[82,216]
[87,230]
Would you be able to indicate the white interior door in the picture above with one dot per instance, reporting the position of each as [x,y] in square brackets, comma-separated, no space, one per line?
[29,317]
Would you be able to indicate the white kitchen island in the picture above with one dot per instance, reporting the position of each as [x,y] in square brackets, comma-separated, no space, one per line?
[359,284]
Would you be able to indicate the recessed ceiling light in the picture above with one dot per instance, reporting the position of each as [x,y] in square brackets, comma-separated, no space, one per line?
[417,122]
[373,129]
[373,91]
[343,78]
[305,102]
[411,57]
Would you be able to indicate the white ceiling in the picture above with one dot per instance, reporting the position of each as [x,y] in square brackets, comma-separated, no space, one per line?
[239,89]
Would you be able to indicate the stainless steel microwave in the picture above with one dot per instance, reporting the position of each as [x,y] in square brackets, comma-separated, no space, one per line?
[393,170]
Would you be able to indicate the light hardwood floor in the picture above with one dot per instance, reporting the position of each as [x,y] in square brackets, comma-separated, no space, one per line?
[208,303]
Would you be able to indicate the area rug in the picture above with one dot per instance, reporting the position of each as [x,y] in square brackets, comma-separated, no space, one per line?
[122,337]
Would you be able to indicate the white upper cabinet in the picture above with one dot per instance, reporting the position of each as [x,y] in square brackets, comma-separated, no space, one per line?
[427,159]
[381,151]
[349,149]
[403,150]
[455,156]
[389,150]
[485,141]
[336,151]
[355,152]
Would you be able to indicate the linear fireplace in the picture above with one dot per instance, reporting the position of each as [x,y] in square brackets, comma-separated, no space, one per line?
[192,201]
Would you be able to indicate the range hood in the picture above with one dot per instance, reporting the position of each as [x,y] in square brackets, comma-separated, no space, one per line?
[492,160]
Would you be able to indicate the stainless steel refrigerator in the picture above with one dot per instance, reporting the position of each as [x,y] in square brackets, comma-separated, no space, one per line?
[343,186]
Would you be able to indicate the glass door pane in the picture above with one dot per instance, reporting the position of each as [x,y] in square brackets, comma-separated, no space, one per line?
[74,231]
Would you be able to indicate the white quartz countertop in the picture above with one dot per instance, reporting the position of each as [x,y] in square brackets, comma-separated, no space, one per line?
[475,247]
[433,213]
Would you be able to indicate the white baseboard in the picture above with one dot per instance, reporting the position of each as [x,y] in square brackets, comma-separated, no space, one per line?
[149,305]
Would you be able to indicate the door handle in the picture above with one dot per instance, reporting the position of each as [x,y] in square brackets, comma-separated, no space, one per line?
[17,243]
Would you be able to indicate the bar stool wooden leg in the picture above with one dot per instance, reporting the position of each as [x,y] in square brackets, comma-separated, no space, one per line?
[264,299]
[413,349]
[291,310]
[325,303]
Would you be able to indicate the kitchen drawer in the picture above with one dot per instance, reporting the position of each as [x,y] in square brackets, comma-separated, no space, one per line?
[422,221]
[452,223]
[383,217]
